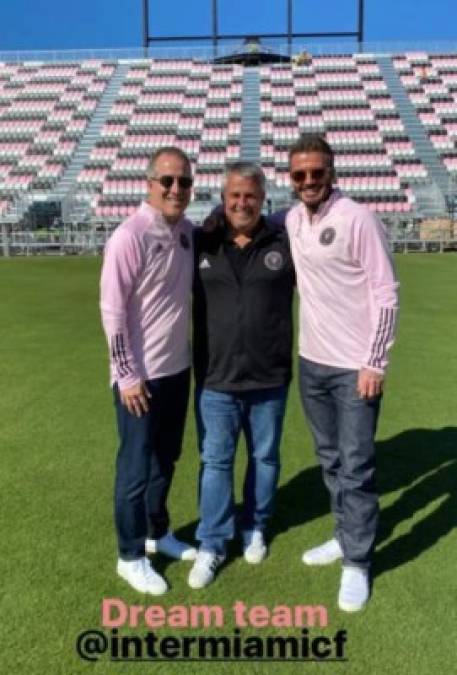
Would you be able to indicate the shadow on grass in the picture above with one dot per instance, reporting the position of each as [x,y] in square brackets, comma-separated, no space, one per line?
[420,464]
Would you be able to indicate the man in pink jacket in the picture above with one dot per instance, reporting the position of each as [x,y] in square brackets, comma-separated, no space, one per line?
[145,297]
[348,306]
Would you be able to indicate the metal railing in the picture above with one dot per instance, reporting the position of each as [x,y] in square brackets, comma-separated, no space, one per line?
[205,50]
[91,241]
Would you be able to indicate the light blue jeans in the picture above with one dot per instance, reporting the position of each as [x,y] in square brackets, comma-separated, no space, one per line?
[221,416]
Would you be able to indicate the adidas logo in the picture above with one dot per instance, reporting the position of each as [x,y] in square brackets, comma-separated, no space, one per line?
[204,264]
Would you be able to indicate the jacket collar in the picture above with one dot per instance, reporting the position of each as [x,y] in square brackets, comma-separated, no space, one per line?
[323,209]
[156,219]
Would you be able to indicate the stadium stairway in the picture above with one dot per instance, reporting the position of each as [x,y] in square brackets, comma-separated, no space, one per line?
[250,116]
[67,183]
[430,198]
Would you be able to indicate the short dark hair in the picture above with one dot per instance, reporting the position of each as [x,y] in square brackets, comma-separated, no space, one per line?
[312,143]
[165,150]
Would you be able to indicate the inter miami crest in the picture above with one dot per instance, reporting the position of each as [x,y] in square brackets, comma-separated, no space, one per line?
[327,236]
[274,260]
[184,240]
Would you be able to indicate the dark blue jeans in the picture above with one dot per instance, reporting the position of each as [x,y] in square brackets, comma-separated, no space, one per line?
[343,426]
[221,416]
[149,448]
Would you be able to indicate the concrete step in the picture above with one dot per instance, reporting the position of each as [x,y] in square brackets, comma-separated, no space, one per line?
[416,132]
[65,187]
[92,133]
[250,116]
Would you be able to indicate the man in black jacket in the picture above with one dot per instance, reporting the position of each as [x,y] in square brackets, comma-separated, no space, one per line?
[244,280]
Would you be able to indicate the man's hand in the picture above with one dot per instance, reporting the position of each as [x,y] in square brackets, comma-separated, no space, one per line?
[135,399]
[369,383]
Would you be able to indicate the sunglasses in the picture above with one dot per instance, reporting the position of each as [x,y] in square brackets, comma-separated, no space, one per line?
[314,174]
[184,182]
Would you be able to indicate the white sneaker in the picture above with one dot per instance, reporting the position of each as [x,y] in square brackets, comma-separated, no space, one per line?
[254,547]
[141,576]
[354,589]
[204,569]
[170,546]
[323,554]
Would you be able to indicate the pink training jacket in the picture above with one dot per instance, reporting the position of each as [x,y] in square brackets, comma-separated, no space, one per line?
[145,297]
[346,283]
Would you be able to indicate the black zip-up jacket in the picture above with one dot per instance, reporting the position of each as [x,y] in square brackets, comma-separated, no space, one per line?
[242,314]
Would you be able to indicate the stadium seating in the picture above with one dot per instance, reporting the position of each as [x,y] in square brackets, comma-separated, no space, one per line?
[431,82]
[345,98]
[45,109]
[166,102]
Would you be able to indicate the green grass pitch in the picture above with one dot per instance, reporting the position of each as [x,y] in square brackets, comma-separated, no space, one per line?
[58,443]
